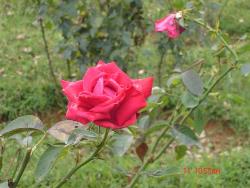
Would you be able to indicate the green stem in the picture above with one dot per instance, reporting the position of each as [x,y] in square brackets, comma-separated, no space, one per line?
[23,166]
[153,159]
[18,154]
[92,157]
[207,92]
[218,33]
[173,118]
[163,149]
[147,162]
[26,160]
[46,48]
[137,175]
[160,67]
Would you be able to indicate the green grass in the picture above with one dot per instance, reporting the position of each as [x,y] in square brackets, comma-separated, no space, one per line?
[27,88]
[25,83]
[234,169]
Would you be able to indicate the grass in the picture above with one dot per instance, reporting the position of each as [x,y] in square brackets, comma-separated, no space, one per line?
[26,87]
[234,169]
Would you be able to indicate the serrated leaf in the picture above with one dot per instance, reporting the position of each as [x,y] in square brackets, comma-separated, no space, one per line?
[21,124]
[180,151]
[193,82]
[184,135]
[63,129]
[163,172]
[121,144]
[46,162]
[189,100]
[80,133]
[141,150]
[245,69]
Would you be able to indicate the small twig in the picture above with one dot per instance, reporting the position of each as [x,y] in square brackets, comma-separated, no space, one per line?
[69,69]
[222,8]
[218,33]
[91,158]
[46,48]
[199,62]
[160,67]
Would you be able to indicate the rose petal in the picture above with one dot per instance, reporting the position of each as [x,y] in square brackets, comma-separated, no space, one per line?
[98,89]
[82,115]
[144,86]
[72,89]
[112,68]
[112,125]
[131,121]
[106,123]
[109,104]
[89,101]
[73,115]
[90,78]
[133,102]
[164,23]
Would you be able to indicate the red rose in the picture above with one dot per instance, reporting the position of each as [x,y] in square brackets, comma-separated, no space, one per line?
[106,96]
[169,25]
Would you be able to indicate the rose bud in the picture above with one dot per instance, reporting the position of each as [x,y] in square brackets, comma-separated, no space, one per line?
[170,25]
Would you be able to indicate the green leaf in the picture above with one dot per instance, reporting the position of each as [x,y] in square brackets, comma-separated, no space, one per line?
[22,124]
[174,80]
[181,22]
[46,162]
[163,172]
[193,82]
[4,185]
[144,122]
[96,21]
[156,127]
[199,121]
[126,37]
[23,141]
[189,100]
[180,151]
[245,69]
[80,133]
[184,135]
[63,129]
[236,98]
[121,144]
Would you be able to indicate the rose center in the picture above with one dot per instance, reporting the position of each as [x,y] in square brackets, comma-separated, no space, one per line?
[108,87]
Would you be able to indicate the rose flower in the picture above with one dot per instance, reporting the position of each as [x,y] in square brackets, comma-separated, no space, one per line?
[106,96]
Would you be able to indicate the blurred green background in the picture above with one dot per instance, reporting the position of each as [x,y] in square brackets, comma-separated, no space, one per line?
[26,86]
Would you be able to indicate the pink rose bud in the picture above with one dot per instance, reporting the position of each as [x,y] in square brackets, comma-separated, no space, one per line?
[170,25]
[106,96]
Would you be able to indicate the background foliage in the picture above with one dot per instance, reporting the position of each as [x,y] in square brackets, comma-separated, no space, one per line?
[79,34]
